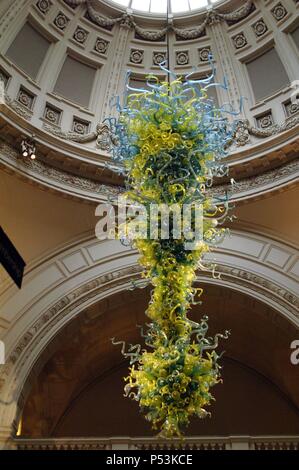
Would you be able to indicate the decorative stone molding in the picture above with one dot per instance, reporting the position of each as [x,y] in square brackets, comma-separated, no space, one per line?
[204,53]
[239,40]
[244,130]
[102,135]
[80,35]
[101,46]
[62,444]
[291,108]
[48,174]
[142,33]
[226,65]
[136,56]
[80,127]
[265,120]
[26,98]
[260,27]
[159,57]
[211,16]
[115,75]
[149,443]
[236,15]
[266,286]
[18,108]
[252,186]
[61,21]
[98,19]
[62,309]
[255,183]
[194,33]
[182,57]
[52,114]
[44,6]
[279,11]
[110,81]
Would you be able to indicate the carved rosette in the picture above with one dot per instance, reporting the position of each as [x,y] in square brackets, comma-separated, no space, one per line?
[136,56]
[61,21]
[44,6]
[80,35]
[239,40]
[80,127]
[265,120]
[101,46]
[182,57]
[279,11]
[159,57]
[260,27]
[52,114]
[204,54]
[26,98]
[291,108]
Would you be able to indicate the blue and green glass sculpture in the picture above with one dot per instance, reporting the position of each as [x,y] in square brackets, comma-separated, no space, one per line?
[171,142]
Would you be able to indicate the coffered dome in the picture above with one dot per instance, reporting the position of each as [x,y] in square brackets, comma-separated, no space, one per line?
[160,6]
[62,64]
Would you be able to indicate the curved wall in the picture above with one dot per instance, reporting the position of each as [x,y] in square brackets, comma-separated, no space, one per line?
[78,41]
[246,404]
[60,288]
[84,50]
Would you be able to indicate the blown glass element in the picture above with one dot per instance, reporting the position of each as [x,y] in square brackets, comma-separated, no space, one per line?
[171,140]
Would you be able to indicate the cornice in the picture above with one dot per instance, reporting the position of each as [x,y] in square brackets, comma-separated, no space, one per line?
[68,151]
[52,179]
[42,175]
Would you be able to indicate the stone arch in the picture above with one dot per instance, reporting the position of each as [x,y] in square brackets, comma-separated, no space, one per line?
[60,287]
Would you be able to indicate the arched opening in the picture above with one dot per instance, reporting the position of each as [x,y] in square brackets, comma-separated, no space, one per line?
[78,389]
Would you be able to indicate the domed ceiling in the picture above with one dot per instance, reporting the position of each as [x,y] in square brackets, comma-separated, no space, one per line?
[77,53]
[160,6]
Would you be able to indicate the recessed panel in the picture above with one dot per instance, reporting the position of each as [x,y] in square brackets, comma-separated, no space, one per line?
[75,81]
[267,74]
[28,50]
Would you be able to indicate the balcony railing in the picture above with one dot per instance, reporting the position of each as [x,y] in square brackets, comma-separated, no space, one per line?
[140,443]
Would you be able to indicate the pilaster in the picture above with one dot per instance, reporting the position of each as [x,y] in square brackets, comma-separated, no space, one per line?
[116,74]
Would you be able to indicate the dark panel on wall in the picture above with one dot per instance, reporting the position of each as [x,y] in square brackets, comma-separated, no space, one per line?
[29,58]
[75,81]
[267,74]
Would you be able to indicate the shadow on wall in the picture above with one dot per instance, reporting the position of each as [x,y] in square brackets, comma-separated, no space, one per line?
[246,403]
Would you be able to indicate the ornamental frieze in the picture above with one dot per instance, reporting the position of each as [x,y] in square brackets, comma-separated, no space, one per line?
[210,17]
